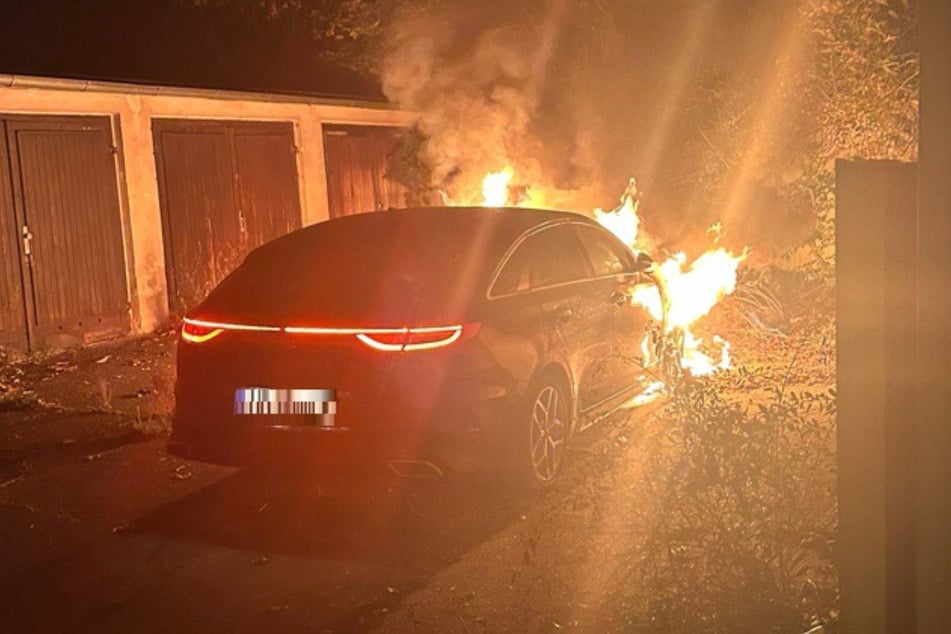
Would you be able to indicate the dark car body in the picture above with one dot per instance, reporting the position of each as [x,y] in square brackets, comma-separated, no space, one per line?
[415,339]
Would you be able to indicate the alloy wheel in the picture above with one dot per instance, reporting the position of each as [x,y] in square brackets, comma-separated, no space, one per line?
[548,434]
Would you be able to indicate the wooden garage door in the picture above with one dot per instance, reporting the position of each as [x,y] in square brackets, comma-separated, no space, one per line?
[225,188]
[12,309]
[63,248]
[357,159]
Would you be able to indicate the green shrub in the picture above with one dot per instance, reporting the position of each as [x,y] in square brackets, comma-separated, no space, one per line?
[743,534]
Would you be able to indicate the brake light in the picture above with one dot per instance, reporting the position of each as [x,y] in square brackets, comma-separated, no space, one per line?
[200,331]
[195,333]
[384,339]
[412,339]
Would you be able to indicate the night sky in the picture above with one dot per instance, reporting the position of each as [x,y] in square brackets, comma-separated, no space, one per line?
[168,42]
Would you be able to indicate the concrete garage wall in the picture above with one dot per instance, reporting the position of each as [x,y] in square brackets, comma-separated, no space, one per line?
[132,109]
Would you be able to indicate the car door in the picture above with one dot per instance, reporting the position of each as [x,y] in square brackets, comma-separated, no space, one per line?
[615,280]
[543,297]
[569,288]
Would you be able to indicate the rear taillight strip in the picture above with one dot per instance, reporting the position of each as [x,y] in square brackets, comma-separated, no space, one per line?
[429,345]
[452,333]
[380,345]
[306,330]
[229,326]
[192,337]
[364,335]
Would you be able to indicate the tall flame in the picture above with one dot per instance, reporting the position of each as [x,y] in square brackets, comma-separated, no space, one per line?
[692,290]
[622,222]
[693,287]
[495,188]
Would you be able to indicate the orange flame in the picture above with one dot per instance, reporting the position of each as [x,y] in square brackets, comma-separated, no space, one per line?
[495,188]
[693,288]
[622,222]
[692,291]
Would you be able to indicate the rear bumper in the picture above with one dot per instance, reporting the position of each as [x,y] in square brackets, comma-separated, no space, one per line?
[250,446]
[460,444]
[442,408]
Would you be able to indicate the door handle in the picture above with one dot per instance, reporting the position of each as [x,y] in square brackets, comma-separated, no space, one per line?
[619,298]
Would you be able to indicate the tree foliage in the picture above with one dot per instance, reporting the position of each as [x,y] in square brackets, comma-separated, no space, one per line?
[840,83]
[864,95]
[344,31]
[325,19]
[865,78]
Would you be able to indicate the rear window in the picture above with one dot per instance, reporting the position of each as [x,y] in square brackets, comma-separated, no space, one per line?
[370,270]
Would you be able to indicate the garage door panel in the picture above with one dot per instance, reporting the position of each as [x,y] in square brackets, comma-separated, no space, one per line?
[357,160]
[65,191]
[225,187]
[267,184]
[12,324]
[202,231]
[70,204]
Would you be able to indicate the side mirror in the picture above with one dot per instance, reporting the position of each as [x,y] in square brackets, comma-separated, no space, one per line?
[642,262]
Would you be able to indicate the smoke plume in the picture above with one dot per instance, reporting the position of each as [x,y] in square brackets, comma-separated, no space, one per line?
[702,101]
[486,79]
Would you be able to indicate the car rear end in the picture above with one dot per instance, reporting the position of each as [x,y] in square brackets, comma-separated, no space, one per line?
[351,344]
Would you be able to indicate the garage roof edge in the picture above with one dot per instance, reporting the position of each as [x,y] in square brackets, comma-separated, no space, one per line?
[87,85]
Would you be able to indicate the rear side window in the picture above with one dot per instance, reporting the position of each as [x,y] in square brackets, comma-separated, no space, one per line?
[514,276]
[552,256]
[607,256]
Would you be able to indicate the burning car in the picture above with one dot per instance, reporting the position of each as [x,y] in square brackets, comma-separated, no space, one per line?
[425,341]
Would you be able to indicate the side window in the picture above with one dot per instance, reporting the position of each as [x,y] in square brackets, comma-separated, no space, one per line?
[607,256]
[514,275]
[552,256]
[556,258]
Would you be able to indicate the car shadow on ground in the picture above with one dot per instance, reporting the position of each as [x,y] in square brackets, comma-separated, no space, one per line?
[416,525]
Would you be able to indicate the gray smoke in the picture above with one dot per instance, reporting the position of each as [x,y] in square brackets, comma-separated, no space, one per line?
[492,92]
[578,96]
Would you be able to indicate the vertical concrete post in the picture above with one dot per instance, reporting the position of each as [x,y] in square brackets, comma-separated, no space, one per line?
[876,325]
[312,169]
[933,444]
[145,214]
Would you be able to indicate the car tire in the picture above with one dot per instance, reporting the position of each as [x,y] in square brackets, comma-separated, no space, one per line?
[540,446]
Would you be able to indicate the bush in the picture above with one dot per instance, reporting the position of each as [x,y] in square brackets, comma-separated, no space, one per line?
[743,537]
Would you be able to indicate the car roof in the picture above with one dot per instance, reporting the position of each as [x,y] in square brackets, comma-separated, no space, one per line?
[435,260]
[460,225]
[505,222]
[517,216]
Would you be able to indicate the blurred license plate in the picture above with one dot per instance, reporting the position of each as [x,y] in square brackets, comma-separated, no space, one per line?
[304,406]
